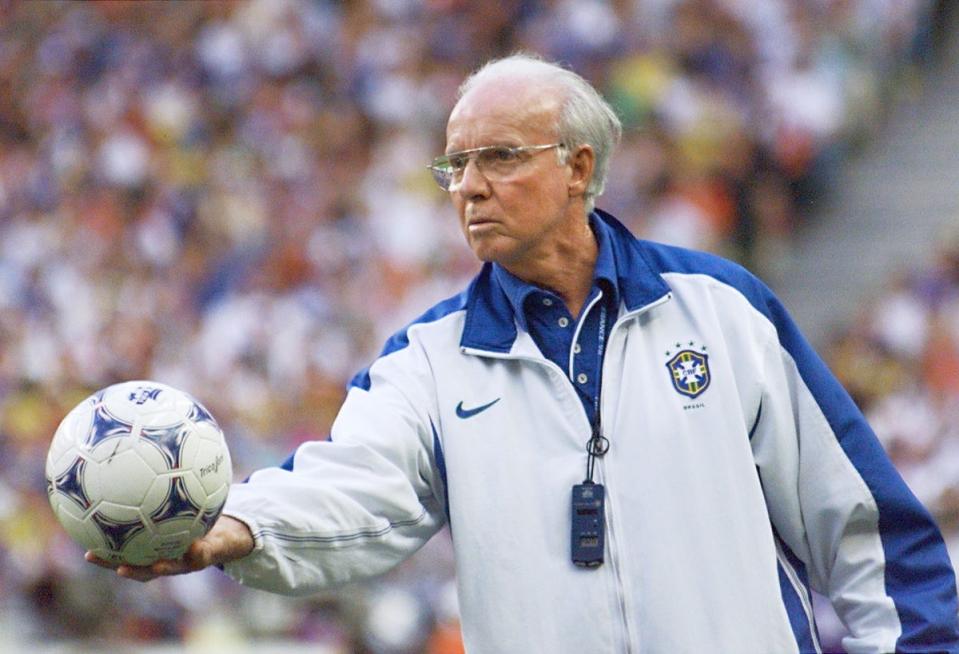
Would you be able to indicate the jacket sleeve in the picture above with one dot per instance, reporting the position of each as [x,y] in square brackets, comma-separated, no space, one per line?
[841,512]
[356,505]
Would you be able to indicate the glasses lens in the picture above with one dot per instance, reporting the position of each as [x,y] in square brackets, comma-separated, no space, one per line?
[442,171]
[498,162]
[442,176]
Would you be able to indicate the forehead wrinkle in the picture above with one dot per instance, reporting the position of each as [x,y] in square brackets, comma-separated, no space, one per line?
[504,107]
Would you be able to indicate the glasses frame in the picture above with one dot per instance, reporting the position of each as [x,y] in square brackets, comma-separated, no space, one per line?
[443,171]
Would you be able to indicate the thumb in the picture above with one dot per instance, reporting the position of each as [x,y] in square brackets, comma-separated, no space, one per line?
[201,554]
[230,539]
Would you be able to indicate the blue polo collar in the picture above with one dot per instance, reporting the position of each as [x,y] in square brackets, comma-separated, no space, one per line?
[495,298]
[518,291]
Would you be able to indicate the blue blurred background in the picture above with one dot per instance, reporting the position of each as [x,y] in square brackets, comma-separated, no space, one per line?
[231,197]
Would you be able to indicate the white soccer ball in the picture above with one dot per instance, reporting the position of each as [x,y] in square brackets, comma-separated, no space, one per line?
[137,472]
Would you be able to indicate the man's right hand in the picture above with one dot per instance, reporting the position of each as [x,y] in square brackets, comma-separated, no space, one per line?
[228,540]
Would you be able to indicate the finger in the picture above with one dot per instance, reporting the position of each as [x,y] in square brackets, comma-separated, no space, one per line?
[167,567]
[137,573]
[96,560]
[161,568]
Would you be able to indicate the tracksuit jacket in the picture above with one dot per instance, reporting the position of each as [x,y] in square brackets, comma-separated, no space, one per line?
[739,476]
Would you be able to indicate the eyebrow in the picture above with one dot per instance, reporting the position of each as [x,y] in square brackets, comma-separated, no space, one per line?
[483,147]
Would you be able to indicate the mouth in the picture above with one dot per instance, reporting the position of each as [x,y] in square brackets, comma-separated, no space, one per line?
[479,229]
[476,224]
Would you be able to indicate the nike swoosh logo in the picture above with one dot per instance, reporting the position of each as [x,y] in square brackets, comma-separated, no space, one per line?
[469,413]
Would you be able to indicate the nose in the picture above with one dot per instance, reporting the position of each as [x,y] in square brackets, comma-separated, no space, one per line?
[473,183]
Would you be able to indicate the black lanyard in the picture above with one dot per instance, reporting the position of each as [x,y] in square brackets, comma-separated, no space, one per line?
[597,445]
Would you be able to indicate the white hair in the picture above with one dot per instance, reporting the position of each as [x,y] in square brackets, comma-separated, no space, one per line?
[585,117]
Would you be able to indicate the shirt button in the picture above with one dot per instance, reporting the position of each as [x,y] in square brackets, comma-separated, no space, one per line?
[582,378]
[547,302]
[576,348]
[563,321]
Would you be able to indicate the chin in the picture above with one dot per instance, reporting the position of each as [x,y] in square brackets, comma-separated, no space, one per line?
[484,250]
[494,248]
[488,253]
[484,255]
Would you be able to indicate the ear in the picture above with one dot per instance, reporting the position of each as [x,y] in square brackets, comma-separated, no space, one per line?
[581,162]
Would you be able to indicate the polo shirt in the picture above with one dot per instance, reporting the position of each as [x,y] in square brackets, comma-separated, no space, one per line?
[574,343]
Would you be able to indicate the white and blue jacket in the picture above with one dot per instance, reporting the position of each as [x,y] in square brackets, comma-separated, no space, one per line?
[739,475]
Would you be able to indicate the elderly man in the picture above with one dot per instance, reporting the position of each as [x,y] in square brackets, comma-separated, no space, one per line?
[634,447]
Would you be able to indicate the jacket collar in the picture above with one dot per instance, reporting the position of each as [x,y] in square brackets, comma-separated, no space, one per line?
[518,291]
[491,323]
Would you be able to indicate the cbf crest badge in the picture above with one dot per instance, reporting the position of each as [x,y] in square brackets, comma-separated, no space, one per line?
[689,371]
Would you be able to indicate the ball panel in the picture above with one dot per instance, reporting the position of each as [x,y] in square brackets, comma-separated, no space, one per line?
[200,415]
[107,514]
[117,523]
[70,482]
[74,520]
[176,504]
[215,503]
[168,441]
[58,463]
[209,460]
[63,447]
[149,403]
[123,473]
[166,540]
[105,426]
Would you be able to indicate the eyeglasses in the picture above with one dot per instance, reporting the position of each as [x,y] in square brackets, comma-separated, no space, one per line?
[496,162]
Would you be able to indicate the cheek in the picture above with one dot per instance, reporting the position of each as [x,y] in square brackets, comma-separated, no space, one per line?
[459,206]
[533,201]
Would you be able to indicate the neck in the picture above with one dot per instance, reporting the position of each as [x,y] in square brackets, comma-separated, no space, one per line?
[566,268]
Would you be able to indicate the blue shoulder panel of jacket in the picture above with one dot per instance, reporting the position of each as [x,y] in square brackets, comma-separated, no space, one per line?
[400,339]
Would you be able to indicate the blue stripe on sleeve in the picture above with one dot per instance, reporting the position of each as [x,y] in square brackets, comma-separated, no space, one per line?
[441,466]
[918,574]
[803,628]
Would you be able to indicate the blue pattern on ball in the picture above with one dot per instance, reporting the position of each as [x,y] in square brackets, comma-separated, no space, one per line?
[199,414]
[177,503]
[105,425]
[169,441]
[116,533]
[70,483]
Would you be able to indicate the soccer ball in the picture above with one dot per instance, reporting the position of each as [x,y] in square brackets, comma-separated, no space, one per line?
[137,472]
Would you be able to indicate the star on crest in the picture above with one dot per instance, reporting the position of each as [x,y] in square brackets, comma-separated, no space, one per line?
[690,345]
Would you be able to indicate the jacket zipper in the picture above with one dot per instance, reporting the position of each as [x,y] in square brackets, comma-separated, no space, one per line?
[611,541]
[614,560]
[617,571]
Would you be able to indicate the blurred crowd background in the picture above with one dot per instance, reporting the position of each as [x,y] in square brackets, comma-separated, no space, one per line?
[231,197]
